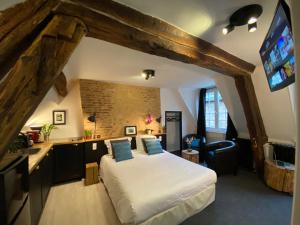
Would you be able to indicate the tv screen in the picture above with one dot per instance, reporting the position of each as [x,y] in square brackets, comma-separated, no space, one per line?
[277,51]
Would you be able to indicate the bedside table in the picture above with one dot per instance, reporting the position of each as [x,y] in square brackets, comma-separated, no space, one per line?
[192,156]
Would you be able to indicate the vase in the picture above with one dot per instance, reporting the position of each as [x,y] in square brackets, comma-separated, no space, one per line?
[189,147]
[46,138]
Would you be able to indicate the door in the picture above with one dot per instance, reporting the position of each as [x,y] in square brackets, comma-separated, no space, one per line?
[35,194]
[174,130]
[47,179]
[68,162]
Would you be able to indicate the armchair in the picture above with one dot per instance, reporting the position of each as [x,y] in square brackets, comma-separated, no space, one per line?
[221,156]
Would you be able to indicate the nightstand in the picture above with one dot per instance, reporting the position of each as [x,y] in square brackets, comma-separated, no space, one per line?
[192,156]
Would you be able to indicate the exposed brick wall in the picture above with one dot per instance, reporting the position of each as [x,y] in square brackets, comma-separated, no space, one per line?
[118,105]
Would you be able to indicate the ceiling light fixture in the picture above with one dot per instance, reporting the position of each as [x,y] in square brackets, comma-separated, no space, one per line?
[228,29]
[149,73]
[252,27]
[245,15]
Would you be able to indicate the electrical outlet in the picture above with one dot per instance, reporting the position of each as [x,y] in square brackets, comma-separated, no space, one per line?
[94,146]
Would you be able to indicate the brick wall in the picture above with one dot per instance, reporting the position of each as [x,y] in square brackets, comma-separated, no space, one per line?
[118,105]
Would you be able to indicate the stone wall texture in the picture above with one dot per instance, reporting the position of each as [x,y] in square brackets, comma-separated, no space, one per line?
[117,106]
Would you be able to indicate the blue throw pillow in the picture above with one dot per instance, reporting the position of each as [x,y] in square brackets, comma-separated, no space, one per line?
[121,150]
[153,146]
[195,143]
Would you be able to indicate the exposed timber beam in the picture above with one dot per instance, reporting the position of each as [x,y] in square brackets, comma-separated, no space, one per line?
[34,73]
[61,85]
[160,28]
[115,30]
[18,30]
[255,123]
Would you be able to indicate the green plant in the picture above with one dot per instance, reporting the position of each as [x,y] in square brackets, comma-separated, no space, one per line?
[88,133]
[47,129]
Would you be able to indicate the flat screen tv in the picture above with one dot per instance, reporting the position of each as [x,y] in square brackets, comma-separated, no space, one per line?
[277,51]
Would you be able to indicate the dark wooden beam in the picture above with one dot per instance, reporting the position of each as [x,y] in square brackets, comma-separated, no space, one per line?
[160,28]
[20,30]
[11,17]
[61,85]
[254,120]
[34,73]
[106,28]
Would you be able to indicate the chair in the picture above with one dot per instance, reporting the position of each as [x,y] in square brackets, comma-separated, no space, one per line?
[221,156]
[199,146]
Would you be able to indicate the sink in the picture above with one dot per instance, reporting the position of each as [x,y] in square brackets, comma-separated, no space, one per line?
[30,151]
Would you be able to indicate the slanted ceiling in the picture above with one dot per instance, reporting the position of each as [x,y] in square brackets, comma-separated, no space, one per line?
[34,42]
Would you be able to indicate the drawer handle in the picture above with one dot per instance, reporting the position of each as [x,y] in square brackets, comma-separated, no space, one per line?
[37,168]
[47,154]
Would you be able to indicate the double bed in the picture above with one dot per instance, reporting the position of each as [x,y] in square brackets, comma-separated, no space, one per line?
[157,189]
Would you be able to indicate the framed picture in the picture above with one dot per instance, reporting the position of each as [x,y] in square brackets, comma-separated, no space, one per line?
[59,117]
[130,130]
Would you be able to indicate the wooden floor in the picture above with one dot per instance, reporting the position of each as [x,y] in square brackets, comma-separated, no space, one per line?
[76,204]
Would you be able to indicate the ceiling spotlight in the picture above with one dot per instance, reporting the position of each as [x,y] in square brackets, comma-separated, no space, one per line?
[148,74]
[252,27]
[227,29]
[246,15]
[252,19]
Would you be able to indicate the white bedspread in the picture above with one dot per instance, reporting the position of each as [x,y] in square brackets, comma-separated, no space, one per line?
[149,184]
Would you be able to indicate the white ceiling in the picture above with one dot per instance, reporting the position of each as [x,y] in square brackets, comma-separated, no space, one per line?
[98,60]
[206,18]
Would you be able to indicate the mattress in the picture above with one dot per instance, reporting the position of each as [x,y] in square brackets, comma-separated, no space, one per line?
[148,185]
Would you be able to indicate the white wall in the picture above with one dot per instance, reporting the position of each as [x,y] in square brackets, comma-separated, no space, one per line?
[231,98]
[276,109]
[296,29]
[71,103]
[171,100]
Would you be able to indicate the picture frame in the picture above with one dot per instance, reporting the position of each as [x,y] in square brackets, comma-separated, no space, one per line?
[59,117]
[130,130]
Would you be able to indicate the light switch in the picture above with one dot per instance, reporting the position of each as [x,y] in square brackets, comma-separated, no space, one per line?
[94,146]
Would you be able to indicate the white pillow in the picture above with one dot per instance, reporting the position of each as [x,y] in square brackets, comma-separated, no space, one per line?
[139,142]
[108,144]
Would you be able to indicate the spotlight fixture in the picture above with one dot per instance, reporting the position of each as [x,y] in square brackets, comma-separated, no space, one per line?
[228,29]
[252,27]
[245,15]
[148,74]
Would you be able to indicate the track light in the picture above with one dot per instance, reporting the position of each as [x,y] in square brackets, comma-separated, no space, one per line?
[252,19]
[228,29]
[148,74]
[252,27]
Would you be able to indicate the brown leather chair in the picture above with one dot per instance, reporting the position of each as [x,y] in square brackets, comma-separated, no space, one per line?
[222,157]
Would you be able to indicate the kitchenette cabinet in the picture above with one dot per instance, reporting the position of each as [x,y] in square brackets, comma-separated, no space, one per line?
[68,162]
[40,182]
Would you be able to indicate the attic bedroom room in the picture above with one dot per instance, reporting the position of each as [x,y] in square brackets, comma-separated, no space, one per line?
[149,112]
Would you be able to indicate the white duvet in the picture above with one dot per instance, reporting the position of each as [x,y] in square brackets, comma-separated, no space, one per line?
[150,184]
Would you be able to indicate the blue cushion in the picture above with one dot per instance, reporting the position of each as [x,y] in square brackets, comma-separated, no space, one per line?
[121,150]
[196,143]
[153,146]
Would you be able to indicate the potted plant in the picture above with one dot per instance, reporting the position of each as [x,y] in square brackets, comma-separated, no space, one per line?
[46,130]
[149,120]
[189,143]
[88,134]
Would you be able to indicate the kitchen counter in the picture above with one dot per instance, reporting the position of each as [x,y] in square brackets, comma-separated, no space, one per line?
[35,159]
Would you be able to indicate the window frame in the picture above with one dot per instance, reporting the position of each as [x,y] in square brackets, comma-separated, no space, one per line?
[216,107]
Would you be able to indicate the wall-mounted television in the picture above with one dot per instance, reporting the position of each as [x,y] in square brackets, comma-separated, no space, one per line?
[277,51]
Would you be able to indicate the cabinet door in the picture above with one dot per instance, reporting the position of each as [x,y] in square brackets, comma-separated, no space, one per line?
[47,178]
[68,162]
[35,194]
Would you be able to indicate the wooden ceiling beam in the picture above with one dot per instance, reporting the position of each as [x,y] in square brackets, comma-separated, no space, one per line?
[157,27]
[35,72]
[18,31]
[103,27]
[61,85]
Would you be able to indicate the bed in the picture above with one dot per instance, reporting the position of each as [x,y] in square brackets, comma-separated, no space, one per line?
[157,189]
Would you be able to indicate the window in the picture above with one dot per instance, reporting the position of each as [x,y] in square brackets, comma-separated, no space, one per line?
[215,111]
